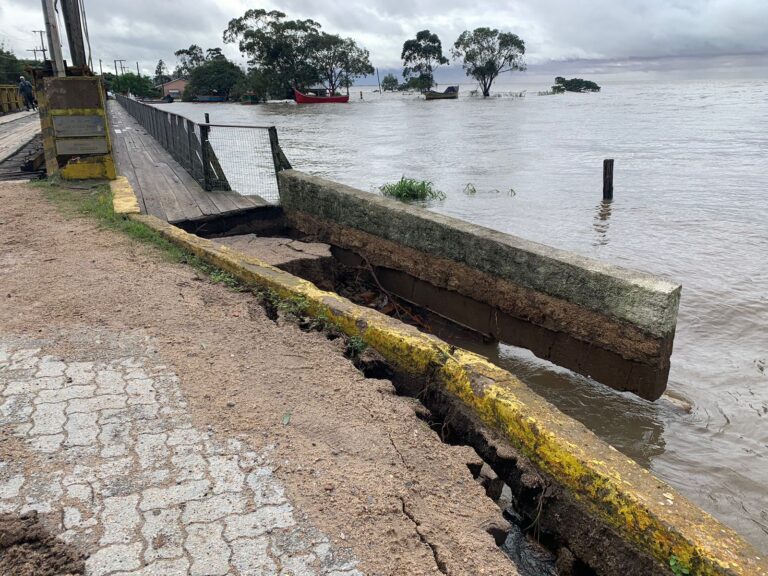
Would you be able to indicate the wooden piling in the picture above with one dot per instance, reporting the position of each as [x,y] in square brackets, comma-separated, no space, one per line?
[608,179]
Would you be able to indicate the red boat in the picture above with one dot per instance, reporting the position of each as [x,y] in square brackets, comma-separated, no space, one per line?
[312,99]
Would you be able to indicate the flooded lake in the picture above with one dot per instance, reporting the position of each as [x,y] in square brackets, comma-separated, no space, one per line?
[691,183]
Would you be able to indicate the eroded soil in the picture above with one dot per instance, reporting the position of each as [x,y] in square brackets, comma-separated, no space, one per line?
[351,453]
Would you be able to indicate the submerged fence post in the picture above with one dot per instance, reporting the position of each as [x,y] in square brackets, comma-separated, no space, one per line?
[608,179]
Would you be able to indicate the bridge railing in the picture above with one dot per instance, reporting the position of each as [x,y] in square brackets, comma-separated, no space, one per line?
[242,158]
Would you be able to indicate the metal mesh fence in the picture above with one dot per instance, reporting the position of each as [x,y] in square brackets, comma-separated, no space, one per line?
[244,159]
[243,156]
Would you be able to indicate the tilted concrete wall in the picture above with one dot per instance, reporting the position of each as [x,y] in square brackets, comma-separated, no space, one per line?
[607,322]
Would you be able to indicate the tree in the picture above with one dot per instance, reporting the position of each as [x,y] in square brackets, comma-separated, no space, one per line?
[486,53]
[252,83]
[337,60]
[161,73]
[390,83]
[281,49]
[216,76]
[131,83]
[421,56]
[189,59]
[574,85]
[10,66]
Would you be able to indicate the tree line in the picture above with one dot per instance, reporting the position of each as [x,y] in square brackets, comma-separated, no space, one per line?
[283,53]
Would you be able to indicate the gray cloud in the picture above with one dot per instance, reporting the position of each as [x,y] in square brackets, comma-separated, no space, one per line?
[146,30]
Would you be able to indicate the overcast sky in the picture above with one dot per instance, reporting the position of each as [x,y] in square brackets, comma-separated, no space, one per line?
[146,30]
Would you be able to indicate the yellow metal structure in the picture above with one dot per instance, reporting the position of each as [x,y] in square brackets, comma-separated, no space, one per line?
[75,128]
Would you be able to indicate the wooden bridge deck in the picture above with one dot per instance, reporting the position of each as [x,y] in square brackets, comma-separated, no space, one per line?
[163,187]
[16,130]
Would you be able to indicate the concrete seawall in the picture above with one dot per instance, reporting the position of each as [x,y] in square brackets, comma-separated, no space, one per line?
[612,324]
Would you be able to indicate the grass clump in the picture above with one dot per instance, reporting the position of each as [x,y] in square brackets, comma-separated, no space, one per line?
[407,189]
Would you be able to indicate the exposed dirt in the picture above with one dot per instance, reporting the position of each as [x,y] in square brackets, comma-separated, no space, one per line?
[353,456]
[28,549]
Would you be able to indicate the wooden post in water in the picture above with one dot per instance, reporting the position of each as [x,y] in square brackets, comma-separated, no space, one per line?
[608,179]
[207,118]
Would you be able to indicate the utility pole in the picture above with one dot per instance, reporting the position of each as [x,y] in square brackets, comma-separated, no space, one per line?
[101,73]
[35,50]
[122,69]
[73,24]
[54,42]
[137,70]
[42,43]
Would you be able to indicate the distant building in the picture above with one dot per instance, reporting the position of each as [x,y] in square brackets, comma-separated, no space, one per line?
[174,88]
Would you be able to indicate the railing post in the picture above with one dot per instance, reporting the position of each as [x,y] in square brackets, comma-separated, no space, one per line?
[204,147]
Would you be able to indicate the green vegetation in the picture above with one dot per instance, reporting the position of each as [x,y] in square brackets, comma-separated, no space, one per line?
[214,76]
[677,567]
[389,83]
[129,82]
[486,53]
[407,189]
[421,55]
[355,347]
[574,85]
[11,67]
[296,52]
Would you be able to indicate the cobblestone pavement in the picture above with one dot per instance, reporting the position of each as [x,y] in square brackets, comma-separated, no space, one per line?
[106,449]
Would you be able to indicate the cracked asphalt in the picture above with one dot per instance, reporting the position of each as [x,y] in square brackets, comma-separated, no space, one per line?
[129,478]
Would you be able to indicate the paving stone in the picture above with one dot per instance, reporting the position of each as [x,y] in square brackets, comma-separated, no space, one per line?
[113,558]
[48,419]
[178,567]
[10,488]
[82,429]
[131,481]
[214,508]
[92,405]
[209,553]
[152,450]
[173,495]
[263,520]
[64,394]
[49,366]
[120,519]
[226,474]
[250,556]
[163,534]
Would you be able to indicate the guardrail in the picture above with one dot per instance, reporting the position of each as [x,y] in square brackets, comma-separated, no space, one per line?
[10,99]
[241,158]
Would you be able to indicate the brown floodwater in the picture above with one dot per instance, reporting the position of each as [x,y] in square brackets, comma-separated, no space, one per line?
[691,184]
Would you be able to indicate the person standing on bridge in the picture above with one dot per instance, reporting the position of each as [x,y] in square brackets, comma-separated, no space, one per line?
[27,92]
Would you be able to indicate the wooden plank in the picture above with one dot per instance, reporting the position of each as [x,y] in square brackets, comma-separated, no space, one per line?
[152,189]
[187,205]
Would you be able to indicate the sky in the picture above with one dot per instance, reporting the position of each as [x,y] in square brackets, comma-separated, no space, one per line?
[554,30]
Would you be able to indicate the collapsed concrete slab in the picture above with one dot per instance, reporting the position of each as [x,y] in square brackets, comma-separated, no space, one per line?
[614,325]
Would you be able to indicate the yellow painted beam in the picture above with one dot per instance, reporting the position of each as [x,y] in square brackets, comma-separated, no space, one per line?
[642,508]
[124,201]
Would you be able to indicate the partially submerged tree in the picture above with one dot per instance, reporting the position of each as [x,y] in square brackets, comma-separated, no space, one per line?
[486,53]
[574,85]
[217,76]
[338,60]
[389,83]
[421,55]
[281,49]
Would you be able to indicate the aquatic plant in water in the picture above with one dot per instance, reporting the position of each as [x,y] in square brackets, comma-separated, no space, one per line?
[411,189]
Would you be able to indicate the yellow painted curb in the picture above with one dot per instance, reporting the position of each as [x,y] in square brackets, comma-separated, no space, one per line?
[123,198]
[642,508]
